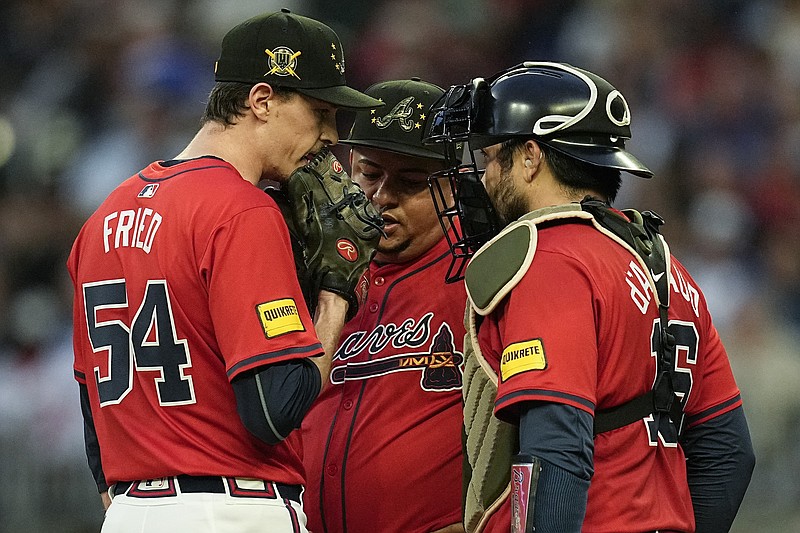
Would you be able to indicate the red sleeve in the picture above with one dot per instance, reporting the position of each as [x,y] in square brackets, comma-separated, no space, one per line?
[715,391]
[549,349]
[255,300]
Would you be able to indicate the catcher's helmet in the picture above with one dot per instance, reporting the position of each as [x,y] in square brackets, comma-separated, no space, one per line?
[569,109]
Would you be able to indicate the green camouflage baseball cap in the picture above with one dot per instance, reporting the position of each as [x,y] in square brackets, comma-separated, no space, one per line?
[400,124]
[289,50]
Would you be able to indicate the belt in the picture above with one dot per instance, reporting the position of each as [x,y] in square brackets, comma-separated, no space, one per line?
[236,487]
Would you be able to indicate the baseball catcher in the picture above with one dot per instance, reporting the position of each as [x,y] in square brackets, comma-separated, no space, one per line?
[334,230]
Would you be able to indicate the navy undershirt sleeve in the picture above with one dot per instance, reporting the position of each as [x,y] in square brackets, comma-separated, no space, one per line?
[719,464]
[560,434]
[561,437]
[272,400]
[90,441]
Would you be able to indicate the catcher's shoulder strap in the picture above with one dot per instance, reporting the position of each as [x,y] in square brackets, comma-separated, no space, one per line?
[639,233]
[498,266]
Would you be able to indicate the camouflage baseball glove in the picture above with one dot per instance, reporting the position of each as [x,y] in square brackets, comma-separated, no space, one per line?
[335,230]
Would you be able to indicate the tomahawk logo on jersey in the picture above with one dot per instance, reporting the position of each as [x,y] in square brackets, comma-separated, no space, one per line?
[440,366]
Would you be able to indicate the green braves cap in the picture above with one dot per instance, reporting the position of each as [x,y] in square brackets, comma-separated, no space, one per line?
[400,124]
[288,50]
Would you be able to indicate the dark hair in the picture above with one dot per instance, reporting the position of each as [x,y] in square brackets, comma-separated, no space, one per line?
[505,155]
[228,101]
[571,173]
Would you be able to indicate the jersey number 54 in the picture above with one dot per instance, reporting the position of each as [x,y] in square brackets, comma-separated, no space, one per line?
[149,343]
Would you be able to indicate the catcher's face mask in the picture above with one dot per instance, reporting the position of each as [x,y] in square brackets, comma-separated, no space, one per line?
[571,110]
[467,216]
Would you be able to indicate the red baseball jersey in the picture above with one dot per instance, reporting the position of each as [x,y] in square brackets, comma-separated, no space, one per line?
[580,329]
[382,444]
[184,278]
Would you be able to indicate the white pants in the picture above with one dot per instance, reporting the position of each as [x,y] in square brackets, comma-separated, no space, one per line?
[203,513]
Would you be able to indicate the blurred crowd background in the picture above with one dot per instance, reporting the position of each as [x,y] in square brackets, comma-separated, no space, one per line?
[93,90]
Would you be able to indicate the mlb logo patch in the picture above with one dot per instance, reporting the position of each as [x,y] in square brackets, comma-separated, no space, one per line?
[149,190]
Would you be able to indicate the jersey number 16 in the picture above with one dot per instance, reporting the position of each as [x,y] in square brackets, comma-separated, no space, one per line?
[659,427]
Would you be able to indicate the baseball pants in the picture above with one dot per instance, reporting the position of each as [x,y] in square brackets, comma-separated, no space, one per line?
[205,505]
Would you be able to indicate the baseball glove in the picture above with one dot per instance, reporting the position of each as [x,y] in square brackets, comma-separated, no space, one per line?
[335,230]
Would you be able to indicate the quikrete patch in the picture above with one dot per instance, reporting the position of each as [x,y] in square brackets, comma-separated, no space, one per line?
[522,357]
[279,317]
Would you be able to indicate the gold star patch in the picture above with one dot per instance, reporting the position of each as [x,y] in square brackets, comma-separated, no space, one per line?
[419,105]
[333,46]
[417,125]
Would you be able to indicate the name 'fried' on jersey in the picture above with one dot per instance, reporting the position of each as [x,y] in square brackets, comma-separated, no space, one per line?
[134,229]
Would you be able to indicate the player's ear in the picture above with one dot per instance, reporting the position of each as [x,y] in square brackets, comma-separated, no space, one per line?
[532,158]
[261,97]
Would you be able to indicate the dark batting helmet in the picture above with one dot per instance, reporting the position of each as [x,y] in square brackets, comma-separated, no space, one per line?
[569,109]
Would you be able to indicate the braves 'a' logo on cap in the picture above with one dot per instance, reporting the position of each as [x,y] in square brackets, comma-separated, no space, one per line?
[283,61]
[347,250]
[401,113]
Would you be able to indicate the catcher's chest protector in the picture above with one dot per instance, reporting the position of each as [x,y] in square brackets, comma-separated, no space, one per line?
[491,443]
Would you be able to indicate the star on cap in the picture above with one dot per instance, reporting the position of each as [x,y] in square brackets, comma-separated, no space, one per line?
[337,64]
